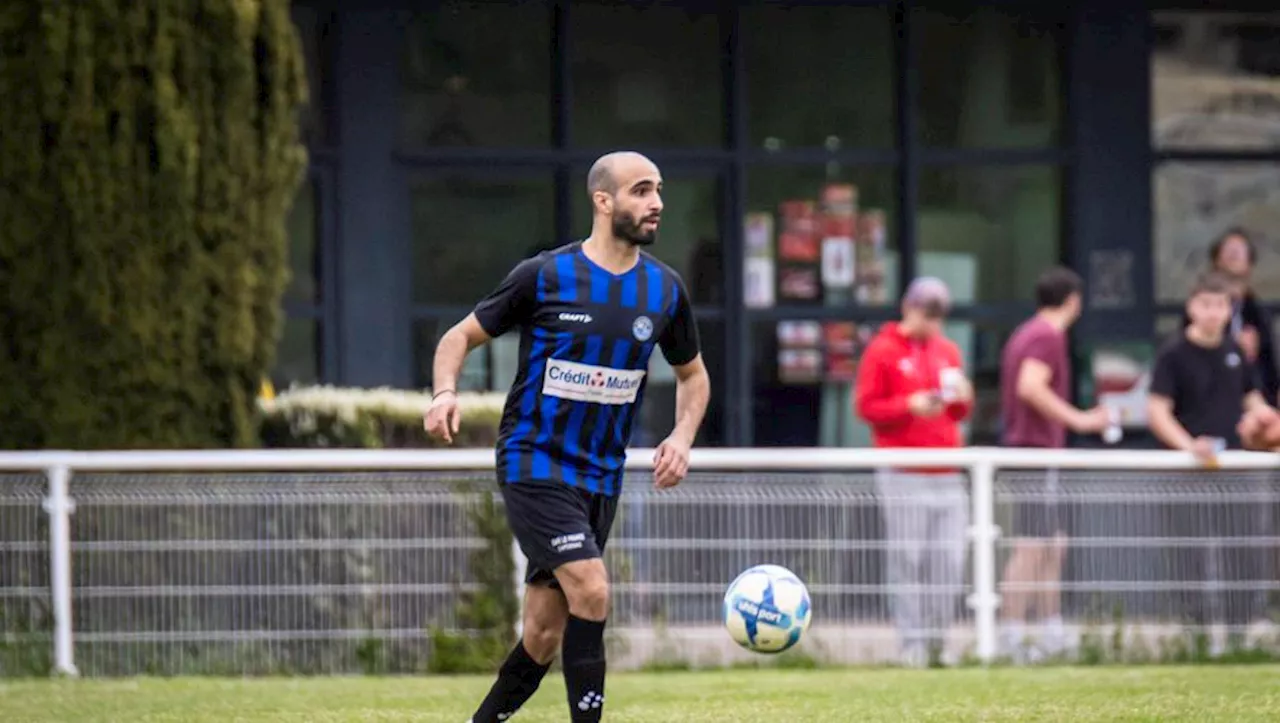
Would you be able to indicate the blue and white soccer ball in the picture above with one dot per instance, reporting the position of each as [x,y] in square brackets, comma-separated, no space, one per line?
[766,609]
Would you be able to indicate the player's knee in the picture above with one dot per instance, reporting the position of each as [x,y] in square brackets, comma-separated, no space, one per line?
[542,637]
[589,597]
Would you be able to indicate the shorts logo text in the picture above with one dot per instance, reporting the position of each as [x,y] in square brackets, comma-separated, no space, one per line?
[565,543]
[590,383]
[579,318]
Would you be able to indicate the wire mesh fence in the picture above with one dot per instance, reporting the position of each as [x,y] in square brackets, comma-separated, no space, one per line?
[26,620]
[373,571]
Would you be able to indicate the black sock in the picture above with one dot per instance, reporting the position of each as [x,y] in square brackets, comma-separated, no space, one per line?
[518,679]
[583,659]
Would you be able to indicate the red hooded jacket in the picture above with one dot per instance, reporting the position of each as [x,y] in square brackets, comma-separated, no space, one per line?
[894,367]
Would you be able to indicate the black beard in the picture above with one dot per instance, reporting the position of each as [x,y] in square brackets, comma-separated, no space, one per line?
[626,228]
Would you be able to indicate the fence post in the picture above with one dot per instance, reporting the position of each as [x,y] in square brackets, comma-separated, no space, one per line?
[522,566]
[59,507]
[984,601]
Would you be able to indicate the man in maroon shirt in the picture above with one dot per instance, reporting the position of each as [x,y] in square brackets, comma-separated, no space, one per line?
[1035,383]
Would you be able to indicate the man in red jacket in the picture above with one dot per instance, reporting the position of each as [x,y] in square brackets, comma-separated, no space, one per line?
[912,391]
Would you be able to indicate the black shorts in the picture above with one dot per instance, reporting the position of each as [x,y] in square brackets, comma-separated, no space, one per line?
[1038,515]
[555,523]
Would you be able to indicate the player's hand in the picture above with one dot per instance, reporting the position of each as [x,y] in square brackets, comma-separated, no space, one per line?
[924,404]
[443,418]
[670,462]
[1249,342]
[1093,421]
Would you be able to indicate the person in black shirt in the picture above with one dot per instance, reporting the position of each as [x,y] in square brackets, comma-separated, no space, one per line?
[1235,255]
[590,315]
[1202,385]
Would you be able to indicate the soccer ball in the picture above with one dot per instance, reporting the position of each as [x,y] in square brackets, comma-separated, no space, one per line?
[766,609]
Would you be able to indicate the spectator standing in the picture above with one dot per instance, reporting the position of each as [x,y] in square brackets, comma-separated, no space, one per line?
[1035,384]
[1235,255]
[1202,386]
[912,391]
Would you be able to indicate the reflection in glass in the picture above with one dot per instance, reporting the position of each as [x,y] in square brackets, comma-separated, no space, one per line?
[1215,81]
[989,232]
[298,354]
[797,217]
[988,78]
[819,76]
[304,256]
[646,75]
[469,232]
[1197,202]
[314,31]
[477,74]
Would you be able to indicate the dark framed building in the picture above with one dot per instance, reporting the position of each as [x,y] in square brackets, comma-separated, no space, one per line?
[449,140]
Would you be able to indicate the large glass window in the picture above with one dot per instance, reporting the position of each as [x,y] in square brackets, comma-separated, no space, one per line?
[689,241]
[298,354]
[800,216]
[819,76]
[477,74]
[299,351]
[988,78]
[315,31]
[304,250]
[469,231]
[989,231]
[1215,81]
[1197,202]
[646,75]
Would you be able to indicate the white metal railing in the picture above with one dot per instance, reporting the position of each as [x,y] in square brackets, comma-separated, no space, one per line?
[980,465]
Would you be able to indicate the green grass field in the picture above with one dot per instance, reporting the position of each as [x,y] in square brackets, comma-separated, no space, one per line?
[1211,693]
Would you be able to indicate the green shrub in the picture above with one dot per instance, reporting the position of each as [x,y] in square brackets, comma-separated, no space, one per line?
[149,154]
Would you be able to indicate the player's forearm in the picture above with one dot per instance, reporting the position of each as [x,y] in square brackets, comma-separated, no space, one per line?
[451,352]
[692,395]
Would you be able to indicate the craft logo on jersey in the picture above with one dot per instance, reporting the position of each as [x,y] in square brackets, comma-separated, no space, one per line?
[590,383]
[642,327]
[580,318]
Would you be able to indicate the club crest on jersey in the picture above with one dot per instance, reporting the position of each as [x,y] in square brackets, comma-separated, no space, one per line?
[642,328]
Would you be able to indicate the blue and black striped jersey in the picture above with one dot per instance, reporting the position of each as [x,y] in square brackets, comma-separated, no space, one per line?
[586,336]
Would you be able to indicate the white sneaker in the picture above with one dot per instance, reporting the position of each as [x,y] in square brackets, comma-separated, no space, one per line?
[915,655]
[1053,637]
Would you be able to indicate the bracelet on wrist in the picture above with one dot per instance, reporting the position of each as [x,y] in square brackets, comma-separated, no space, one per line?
[443,391]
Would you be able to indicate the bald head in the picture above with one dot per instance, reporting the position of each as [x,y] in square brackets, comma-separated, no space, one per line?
[625,189]
[606,172]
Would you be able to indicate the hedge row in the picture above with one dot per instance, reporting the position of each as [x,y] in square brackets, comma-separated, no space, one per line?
[149,153]
[335,417]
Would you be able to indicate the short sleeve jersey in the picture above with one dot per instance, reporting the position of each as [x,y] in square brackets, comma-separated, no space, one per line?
[1206,385]
[586,336]
[1023,425]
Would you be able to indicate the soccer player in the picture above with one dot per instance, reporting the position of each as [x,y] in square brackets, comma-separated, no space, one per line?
[913,393]
[589,315]
[1035,384]
[1203,389]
